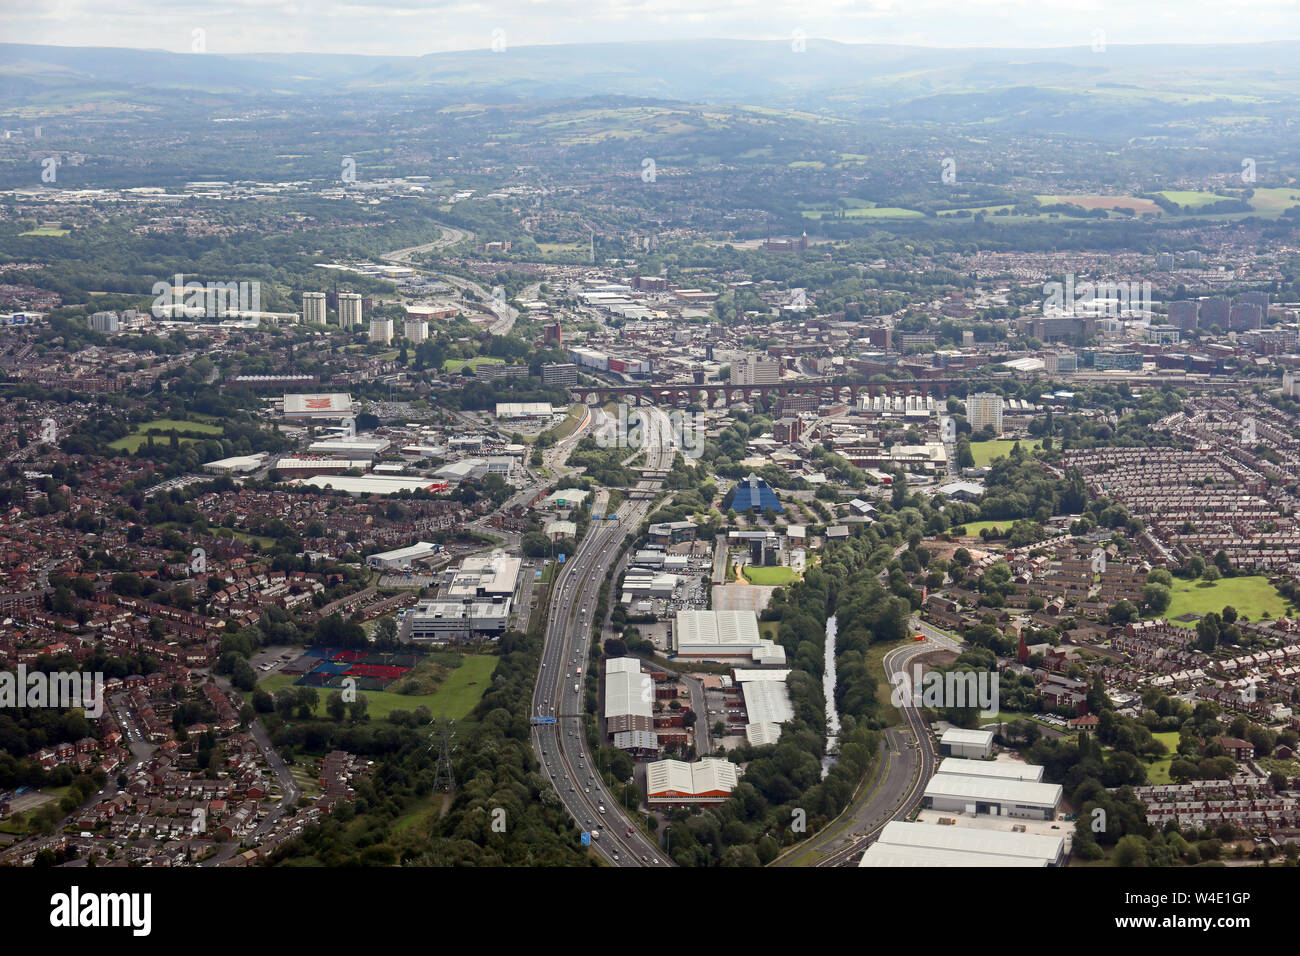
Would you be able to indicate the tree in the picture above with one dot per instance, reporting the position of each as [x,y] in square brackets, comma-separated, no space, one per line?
[1207,632]
[1156,597]
[1123,612]
[1131,851]
[335,706]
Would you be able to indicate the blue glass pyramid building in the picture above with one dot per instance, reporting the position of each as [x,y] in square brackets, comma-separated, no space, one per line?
[755,494]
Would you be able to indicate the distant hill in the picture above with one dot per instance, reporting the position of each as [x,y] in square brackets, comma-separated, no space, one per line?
[829,76]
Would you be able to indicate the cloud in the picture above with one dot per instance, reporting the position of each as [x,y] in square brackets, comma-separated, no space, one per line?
[416,27]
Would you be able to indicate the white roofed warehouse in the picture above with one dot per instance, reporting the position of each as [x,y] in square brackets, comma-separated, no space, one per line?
[403,558]
[675,783]
[724,636]
[887,855]
[992,796]
[957,742]
[629,697]
[994,769]
[929,844]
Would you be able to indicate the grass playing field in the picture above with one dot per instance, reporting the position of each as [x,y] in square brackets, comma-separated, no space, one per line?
[986,451]
[455,365]
[770,577]
[455,698]
[1252,596]
[1158,769]
[188,430]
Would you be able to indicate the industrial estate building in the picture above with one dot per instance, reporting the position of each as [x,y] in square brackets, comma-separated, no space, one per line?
[402,558]
[672,783]
[957,742]
[452,622]
[929,844]
[962,793]
[767,703]
[992,769]
[724,635]
[629,696]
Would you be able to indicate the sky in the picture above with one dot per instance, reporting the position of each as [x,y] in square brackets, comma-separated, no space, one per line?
[418,27]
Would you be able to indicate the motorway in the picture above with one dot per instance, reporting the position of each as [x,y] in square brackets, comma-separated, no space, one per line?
[560,692]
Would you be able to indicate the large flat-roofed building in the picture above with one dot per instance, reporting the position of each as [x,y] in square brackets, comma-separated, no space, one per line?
[957,742]
[485,576]
[639,743]
[403,558]
[647,584]
[306,467]
[991,796]
[978,842]
[372,484]
[451,622]
[563,499]
[767,703]
[888,855]
[672,532]
[724,635]
[354,448]
[310,407]
[677,783]
[524,410]
[992,769]
[240,464]
[629,697]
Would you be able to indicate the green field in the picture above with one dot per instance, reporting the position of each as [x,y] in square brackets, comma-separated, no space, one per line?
[986,451]
[188,430]
[973,528]
[867,212]
[1252,596]
[46,231]
[1158,769]
[455,365]
[770,577]
[1189,198]
[1267,201]
[455,698]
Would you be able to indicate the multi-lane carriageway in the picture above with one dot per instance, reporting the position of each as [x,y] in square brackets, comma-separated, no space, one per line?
[562,746]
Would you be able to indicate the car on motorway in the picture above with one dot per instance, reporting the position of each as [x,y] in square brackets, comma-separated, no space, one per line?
[601,808]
